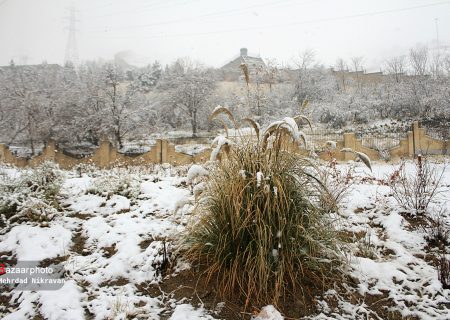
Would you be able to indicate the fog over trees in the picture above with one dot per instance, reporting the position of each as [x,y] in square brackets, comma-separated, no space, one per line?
[96,100]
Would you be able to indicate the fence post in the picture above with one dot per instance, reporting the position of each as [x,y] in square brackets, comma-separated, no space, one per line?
[50,151]
[164,151]
[103,154]
[410,151]
[416,138]
[3,149]
[349,142]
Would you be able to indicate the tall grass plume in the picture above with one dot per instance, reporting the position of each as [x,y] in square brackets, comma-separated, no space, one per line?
[260,228]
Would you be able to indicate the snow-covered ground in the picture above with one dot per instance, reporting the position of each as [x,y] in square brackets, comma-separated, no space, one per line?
[112,245]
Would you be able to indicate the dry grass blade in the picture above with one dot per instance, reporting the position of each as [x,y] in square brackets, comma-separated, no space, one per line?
[224,126]
[222,110]
[272,128]
[254,124]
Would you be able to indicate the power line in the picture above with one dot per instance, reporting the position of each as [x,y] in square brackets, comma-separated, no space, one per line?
[290,24]
[214,14]
[142,9]
[437,30]
[105,5]
[71,55]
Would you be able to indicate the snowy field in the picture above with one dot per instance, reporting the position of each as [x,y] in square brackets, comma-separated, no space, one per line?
[115,247]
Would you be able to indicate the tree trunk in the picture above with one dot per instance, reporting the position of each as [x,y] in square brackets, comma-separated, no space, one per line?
[118,135]
[194,123]
[30,134]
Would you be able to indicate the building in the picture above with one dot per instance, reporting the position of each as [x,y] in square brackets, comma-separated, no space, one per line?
[232,71]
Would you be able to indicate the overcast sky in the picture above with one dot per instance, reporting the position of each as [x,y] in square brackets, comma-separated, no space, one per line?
[212,32]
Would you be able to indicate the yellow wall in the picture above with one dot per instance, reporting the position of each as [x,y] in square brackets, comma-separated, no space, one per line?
[164,152]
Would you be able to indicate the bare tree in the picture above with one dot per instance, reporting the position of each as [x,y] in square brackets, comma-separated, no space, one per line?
[396,67]
[446,63]
[357,65]
[437,64]
[119,105]
[304,62]
[341,70]
[29,95]
[188,88]
[418,59]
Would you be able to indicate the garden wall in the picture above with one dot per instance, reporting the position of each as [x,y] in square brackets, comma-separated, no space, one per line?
[417,141]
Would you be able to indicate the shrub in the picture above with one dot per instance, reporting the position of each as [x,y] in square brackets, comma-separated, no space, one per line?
[366,248]
[85,168]
[37,210]
[338,184]
[437,229]
[121,183]
[444,271]
[260,228]
[32,196]
[415,191]
[45,180]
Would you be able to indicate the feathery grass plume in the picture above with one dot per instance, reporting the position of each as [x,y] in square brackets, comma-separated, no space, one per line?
[302,117]
[256,126]
[196,171]
[244,68]
[259,229]
[225,127]
[305,104]
[281,129]
[272,129]
[222,110]
[361,155]
[221,143]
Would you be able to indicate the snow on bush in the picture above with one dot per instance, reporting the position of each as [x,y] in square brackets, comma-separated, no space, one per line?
[121,183]
[416,188]
[396,271]
[32,196]
[258,223]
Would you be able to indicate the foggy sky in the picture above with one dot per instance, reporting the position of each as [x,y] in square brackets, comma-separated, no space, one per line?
[212,32]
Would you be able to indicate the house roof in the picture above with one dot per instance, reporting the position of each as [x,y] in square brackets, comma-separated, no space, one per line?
[251,62]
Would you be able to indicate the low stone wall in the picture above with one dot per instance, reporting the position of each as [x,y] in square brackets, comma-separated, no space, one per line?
[416,142]
[105,156]
[163,151]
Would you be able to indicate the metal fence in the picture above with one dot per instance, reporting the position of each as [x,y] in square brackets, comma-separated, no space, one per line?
[318,137]
[383,141]
[439,133]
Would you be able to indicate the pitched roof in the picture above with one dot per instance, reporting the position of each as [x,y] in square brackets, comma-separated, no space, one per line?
[251,62]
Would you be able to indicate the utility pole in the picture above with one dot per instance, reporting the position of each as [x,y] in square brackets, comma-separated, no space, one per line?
[71,55]
[437,30]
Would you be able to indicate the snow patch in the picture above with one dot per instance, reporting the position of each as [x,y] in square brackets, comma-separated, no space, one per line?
[35,243]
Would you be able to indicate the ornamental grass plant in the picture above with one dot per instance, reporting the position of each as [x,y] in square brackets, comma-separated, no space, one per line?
[261,231]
